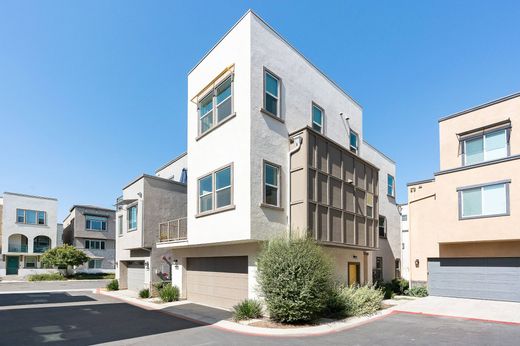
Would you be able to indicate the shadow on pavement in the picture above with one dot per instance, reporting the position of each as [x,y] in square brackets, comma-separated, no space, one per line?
[41,298]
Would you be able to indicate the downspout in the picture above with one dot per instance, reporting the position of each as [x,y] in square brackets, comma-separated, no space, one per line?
[299,140]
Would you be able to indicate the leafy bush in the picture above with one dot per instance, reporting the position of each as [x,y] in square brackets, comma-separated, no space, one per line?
[46,277]
[336,304]
[400,286]
[144,293]
[418,291]
[91,276]
[169,293]
[388,290]
[113,285]
[363,300]
[247,309]
[294,278]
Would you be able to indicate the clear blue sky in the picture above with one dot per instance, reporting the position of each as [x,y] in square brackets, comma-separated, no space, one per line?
[93,93]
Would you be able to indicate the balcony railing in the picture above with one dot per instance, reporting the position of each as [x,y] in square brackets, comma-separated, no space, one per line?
[17,248]
[41,249]
[174,230]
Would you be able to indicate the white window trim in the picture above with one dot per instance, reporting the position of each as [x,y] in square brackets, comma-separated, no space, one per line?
[481,186]
[214,208]
[136,217]
[393,185]
[356,149]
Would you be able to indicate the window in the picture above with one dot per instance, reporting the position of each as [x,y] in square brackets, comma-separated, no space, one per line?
[391,186]
[354,142]
[30,262]
[398,268]
[271,93]
[218,101]
[488,200]
[94,264]
[382,227]
[215,190]
[96,223]
[490,146]
[132,217]
[404,217]
[271,184]
[31,217]
[370,205]
[378,271]
[95,244]
[402,246]
[120,225]
[317,118]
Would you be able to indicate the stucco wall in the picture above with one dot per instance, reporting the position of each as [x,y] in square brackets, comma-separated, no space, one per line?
[173,170]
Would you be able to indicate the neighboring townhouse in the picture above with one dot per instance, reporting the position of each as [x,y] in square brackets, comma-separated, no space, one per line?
[150,203]
[405,242]
[275,146]
[386,261]
[29,228]
[464,224]
[92,229]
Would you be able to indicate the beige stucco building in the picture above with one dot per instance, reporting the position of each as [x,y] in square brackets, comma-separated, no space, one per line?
[463,224]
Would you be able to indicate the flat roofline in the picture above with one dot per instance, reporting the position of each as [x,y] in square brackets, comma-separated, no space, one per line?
[310,129]
[287,43]
[86,206]
[484,105]
[171,161]
[154,177]
[425,181]
[379,151]
[30,196]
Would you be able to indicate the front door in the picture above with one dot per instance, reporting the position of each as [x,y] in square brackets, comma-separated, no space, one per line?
[12,265]
[353,273]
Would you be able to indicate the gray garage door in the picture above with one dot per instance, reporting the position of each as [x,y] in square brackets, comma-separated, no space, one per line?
[136,276]
[217,281]
[480,278]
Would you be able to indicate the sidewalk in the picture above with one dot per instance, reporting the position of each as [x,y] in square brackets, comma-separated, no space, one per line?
[475,309]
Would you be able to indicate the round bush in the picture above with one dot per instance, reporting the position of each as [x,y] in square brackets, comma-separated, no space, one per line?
[113,285]
[169,293]
[418,291]
[363,300]
[144,293]
[295,277]
[247,309]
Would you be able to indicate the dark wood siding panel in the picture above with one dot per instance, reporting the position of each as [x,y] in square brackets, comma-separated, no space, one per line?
[312,149]
[335,192]
[336,225]
[370,179]
[349,198]
[335,161]
[322,223]
[322,188]
[360,202]
[350,229]
[361,238]
[312,184]
[348,167]
[322,155]
[312,219]
[360,175]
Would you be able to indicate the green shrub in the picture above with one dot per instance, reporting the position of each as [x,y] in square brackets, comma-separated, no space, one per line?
[363,300]
[113,285]
[247,309]
[144,293]
[91,276]
[336,304]
[169,293]
[388,290]
[294,278]
[400,286]
[46,277]
[418,291]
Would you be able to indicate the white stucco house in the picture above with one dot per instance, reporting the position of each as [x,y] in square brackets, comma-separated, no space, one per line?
[29,228]
[274,146]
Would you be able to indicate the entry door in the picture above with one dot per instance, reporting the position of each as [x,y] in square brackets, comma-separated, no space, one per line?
[353,273]
[12,265]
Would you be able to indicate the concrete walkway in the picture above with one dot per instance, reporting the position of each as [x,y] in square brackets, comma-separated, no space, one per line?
[486,310]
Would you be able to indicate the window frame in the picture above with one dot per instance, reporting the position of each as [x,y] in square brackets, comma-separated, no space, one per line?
[384,227]
[367,205]
[461,190]
[278,98]
[356,149]
[90,218]
[95,260]
[37,217]
[482,134]
[214,107]
[214,208]
[322,125]
[101,245]
[393,185]
[120,225]
[131,229]
[264,185]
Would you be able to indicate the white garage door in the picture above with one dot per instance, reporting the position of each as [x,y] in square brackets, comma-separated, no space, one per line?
[217,281]
[135,276]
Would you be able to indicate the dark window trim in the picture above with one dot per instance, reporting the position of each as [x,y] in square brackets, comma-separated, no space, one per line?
[214,209]
[264,203]
[459,190]
[264,91]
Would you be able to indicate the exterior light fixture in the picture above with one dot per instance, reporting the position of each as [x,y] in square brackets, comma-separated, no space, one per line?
[417,263]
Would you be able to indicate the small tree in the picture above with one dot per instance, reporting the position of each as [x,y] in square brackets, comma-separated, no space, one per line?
[295,277]
[64,256]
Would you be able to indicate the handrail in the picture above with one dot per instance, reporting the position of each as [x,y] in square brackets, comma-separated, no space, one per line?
[173,230]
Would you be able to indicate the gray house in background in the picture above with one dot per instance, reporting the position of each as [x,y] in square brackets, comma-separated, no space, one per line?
[92,229]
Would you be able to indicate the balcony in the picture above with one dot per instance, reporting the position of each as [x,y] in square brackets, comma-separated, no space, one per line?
[174,230]
[18,248]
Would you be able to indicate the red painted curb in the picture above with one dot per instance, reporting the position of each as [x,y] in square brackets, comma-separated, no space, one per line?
[458,317]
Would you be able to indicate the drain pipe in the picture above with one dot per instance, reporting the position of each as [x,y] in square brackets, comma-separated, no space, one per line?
[298,140]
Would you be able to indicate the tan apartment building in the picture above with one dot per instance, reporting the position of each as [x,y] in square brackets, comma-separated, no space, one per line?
[464,224]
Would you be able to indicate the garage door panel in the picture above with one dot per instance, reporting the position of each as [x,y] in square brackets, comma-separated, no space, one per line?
[480,278]
[217,281]
[135,277]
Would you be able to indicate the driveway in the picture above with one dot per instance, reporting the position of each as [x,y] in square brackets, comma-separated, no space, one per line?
[84,318]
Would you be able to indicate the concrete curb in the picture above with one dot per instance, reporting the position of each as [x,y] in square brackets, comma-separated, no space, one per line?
[233,327]
[457,317]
